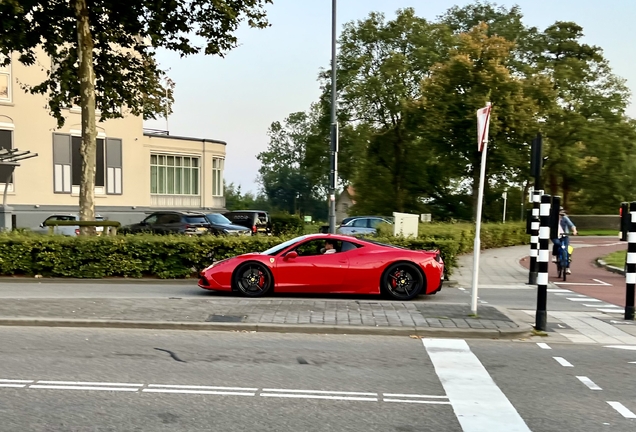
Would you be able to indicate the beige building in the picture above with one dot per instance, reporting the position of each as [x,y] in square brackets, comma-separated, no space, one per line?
[138,171]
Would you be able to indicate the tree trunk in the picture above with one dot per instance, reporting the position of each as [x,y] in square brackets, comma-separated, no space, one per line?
[88,149]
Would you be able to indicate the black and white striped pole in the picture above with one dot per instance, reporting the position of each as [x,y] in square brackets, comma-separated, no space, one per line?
[534,236]
[542,263]
[630,268]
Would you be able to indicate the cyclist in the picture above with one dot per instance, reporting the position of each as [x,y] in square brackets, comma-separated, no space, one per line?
[565,225]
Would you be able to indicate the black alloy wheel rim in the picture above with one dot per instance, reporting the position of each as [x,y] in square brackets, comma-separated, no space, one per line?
[401,282]
[254,280]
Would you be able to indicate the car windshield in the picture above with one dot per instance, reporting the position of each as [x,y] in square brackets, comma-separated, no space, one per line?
[280,247]
[196,219]
[219,219]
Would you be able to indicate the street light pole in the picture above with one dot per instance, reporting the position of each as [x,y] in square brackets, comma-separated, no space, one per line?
[333,172]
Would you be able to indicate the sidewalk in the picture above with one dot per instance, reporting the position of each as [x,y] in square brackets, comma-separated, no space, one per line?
[286,315]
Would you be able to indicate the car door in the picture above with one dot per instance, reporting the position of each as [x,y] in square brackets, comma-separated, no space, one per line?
[311,271]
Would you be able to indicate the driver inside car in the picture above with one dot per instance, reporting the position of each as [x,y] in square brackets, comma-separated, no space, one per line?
[329,248]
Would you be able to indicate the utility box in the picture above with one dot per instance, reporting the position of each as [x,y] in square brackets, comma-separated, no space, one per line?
[406,224]
[425,217]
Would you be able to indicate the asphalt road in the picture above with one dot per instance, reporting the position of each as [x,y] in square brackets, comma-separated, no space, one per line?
[57,380]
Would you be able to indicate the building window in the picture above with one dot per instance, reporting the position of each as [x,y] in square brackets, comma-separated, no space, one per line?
[67,164]
[6,143]
[217,176]
[174,175]
[5,82]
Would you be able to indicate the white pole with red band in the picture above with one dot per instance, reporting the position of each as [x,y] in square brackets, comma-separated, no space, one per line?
[483,126]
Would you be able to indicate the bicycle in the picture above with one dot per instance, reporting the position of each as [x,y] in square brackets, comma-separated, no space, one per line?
[564,256]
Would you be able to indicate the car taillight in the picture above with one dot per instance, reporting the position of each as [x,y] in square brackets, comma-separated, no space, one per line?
[77,231]
[254,228]
[438,257]
[187,226]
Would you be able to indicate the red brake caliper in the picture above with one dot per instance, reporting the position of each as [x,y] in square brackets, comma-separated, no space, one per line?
[394,281]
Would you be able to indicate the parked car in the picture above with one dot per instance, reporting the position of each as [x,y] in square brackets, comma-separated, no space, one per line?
[362,225]
[171,222]
[257,221]
[66,230]
[329,264]
[221,225]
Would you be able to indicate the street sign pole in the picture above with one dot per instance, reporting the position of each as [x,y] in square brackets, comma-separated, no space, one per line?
[483,124]
[505,198]
[333,172]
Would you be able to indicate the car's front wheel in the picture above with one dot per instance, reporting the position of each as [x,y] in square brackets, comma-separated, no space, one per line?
[253,279]
[402,281]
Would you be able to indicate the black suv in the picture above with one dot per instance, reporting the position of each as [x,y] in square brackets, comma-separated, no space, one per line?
[171,222]
[257,221]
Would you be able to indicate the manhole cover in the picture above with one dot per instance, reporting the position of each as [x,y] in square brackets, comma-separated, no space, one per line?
[226,318]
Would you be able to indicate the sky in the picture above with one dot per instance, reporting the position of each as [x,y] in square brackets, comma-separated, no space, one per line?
[274,71]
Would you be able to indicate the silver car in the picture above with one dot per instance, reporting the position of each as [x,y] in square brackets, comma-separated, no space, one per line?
[66,230]
[362,225]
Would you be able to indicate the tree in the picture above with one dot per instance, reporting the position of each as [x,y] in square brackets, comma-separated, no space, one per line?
[110,46]
[236,200]
[283,175]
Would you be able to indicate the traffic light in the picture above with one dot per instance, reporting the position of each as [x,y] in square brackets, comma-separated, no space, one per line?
[624,221]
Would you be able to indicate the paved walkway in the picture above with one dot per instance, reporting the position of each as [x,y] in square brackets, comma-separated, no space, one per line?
[497,268]
[321,316]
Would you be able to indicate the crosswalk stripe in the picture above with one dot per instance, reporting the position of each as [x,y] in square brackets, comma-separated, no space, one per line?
[478,402]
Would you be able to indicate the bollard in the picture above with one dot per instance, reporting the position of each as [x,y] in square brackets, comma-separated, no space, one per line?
[534,237]
[630,270]
[543,260]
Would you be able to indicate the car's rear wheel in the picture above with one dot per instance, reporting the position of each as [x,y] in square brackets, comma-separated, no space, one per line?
[402,281]
[253,279]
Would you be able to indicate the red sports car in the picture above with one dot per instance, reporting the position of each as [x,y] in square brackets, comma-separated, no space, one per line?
[327,263]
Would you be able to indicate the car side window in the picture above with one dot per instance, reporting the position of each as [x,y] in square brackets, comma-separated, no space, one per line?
[359,223]
[151,220]
[347,246]
[316,247]
[375,222]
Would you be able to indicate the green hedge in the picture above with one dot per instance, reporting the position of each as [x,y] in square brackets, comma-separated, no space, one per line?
[177,256]
[286,224]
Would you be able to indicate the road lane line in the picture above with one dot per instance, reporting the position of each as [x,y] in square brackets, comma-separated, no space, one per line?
[13,385]
[62,387]
[268,390]
[574,299]
[588,382]
[15,381]
[418,401]
[197,387]
[563,362]
[203,392]
[315,396]
[611,310]
[556,290]
[414,396]
[622,410]
[478,403]
[543,345]
[601,282]
[90,383]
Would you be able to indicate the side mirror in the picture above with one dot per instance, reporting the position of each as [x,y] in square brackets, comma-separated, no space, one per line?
[42,225]
[291,255]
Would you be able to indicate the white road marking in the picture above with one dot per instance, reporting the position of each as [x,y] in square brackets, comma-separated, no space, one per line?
[556,290]
[602,283]
[574,299]
[462,289]
[61,387]
[320,392]
[205,392]
[90,383]
[418,401]
[619,310]
[563,362]
[608,306]
[622,410]
[625,347]
[588,382]
[314,396]
[478,403]
[543,345]
[195,387]
[414,396]
[15,381]
[582,283]
[13,385]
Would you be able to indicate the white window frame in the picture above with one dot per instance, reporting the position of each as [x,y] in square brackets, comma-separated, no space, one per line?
[6,71]
[182,157]
[9,127]
[99,190]
[217,176]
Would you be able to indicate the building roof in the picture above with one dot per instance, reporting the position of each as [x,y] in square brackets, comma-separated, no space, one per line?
[166,135]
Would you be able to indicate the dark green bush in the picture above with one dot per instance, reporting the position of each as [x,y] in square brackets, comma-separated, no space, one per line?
[286,224]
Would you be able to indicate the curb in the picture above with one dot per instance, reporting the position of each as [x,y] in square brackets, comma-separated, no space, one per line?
[463,333]
[610,268]
[117,281]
